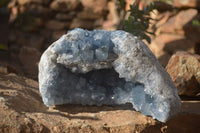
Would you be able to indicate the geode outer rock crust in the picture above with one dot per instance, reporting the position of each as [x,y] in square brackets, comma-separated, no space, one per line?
[105,68]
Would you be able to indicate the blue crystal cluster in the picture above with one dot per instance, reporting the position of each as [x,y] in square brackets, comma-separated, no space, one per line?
[106,68]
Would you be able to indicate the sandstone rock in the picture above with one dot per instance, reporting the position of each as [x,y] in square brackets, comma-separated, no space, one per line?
[64,5]
[177,43]
[65,16]
[57,25]
[106,68]
[85,24]
[177,22]
[186,3]
[98,23]
[23,2]
[165,45]
[184,69]
[26,2]
[37,10]
[29,57]
[112,17]
[14,13]
[162,18]
[3,69]
[88,14]
[57,34]
[93,9]
[11,4]
[97,6]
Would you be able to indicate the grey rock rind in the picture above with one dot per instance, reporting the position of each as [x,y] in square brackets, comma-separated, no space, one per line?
[106,67]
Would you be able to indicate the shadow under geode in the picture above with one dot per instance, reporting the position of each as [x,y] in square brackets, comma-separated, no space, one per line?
[70,117]
[77,108]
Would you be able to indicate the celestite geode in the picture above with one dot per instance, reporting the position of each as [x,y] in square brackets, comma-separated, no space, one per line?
[104,68]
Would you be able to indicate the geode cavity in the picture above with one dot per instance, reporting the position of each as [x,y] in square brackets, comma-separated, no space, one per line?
[105,68]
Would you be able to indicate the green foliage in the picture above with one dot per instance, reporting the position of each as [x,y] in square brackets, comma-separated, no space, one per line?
[138,21]
[3,3]
[196,22]
[3,47]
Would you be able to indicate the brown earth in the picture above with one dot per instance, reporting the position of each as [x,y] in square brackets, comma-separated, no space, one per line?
[184,69]
[22,110]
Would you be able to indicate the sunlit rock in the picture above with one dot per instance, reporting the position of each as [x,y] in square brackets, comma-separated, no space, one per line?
[105,68]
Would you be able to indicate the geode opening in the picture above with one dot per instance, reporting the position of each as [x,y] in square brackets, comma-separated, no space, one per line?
[105,68]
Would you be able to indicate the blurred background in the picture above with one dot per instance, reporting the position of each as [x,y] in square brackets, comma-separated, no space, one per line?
[28,27]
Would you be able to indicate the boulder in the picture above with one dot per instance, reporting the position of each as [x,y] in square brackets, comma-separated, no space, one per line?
[23,2]
[186,3]
[184,69]
[88,14]
[112,17]
[162,18]
[3,69]
[26,2]
[96,6]
[57,34]
[65,16]
[37,10]
[64,5]
[177,22]
[93,9]
[82,23]
[164,45]
[106,68]
[57,25]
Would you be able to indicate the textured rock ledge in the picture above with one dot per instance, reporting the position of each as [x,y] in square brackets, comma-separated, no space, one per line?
[105,68]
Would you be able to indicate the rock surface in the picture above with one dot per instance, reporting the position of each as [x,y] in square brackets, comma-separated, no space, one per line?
[177,22]
[22,110]
[94,6]
[106,68]
[184,69]
[187,3]
[64,5]
[165,45]
[56,25]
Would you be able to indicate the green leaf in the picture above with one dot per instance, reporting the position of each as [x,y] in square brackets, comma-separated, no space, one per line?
[3,47]
[138,21]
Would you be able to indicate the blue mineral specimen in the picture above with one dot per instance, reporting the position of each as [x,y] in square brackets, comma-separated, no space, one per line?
[105,68]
